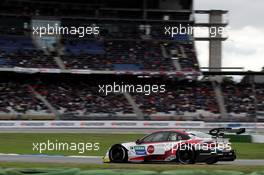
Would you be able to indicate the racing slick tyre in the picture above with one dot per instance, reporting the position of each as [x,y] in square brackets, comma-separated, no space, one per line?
[118,154]
[185,155]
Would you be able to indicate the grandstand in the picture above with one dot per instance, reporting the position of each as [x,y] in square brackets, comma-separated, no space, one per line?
[57,76]
[135,43]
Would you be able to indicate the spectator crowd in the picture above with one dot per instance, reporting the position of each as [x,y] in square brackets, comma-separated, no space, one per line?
[132,55]
[85,99]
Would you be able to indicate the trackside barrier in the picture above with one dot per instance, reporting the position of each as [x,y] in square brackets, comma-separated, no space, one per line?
[124,124]
[87,71]
[257,138]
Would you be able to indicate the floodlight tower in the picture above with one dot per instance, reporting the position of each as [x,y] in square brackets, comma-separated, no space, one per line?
[215,51]
[215,42]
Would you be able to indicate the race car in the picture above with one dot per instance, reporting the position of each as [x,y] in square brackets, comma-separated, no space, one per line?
[186,147]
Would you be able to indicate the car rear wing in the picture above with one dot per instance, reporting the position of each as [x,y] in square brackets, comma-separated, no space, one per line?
[216,132]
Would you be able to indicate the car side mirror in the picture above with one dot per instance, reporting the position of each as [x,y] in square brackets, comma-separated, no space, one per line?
[138,141]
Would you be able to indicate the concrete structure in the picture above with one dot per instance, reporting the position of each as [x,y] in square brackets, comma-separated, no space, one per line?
[215,41]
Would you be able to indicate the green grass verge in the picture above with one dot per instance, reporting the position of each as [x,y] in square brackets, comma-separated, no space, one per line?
[151,167]
[249,150]
[22,143]
[239,138]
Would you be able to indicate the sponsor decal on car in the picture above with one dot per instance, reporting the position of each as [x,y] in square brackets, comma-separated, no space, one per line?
[150,149]
[140,150]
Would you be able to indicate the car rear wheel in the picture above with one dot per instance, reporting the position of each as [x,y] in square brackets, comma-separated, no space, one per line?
[118,154]
[186,156]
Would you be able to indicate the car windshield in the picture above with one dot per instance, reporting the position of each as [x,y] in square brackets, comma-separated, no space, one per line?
[156,137]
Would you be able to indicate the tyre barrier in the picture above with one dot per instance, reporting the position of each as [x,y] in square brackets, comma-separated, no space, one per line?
[257,173]
[76,171]
[14,171]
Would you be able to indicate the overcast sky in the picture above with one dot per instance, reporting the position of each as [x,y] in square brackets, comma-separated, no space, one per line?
[245,46]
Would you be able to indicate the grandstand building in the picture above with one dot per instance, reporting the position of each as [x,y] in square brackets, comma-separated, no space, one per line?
[56,75]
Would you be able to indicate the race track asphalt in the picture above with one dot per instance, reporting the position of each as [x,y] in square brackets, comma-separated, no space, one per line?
[93,159]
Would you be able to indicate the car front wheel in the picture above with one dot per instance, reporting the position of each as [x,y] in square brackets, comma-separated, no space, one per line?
[118,154]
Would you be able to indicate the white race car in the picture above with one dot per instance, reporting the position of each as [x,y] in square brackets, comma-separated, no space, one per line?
[186,147]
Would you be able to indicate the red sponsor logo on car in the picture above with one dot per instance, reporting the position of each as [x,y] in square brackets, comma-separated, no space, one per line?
[150,149]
